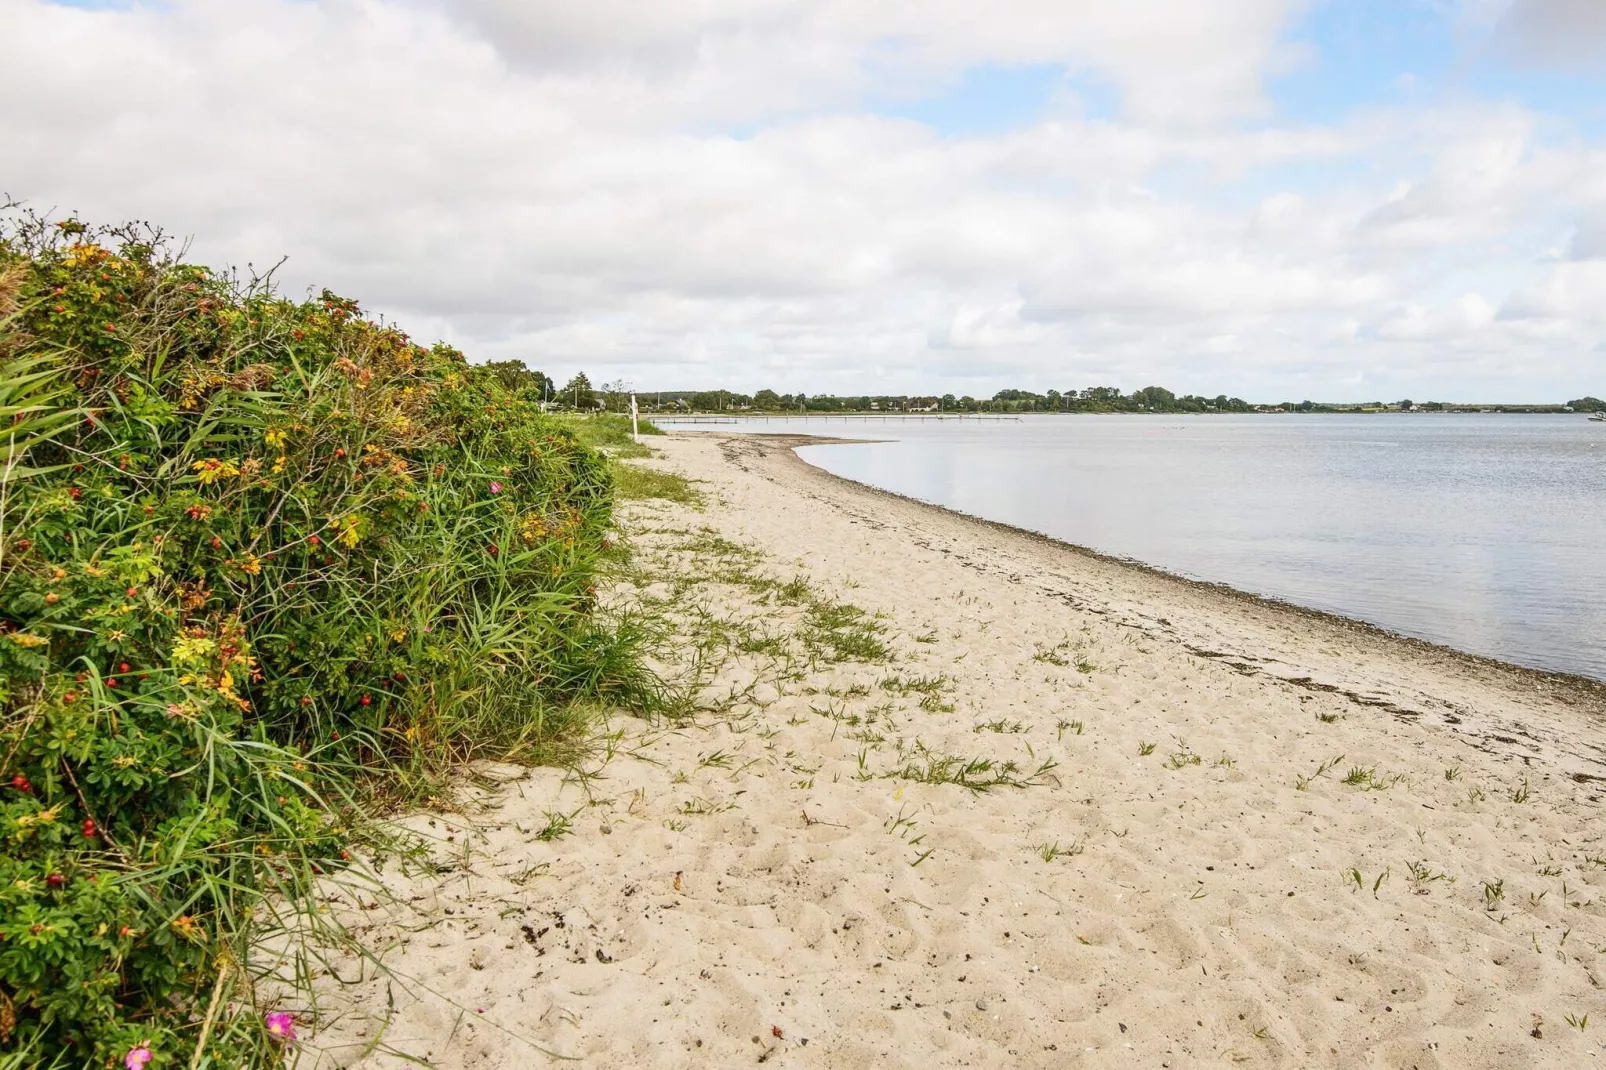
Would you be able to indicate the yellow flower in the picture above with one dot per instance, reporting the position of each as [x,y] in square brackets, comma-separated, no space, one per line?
[251,566]
[349,535]
[84,253]
[211,470]
[274,438]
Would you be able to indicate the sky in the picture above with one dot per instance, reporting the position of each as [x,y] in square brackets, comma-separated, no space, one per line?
[1272,199]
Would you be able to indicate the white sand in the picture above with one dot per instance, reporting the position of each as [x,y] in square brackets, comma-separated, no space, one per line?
[743,889]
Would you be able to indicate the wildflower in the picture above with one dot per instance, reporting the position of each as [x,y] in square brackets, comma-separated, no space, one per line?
[350,532]
[211,470]
[281,1026]
[136,1059]
[496,488]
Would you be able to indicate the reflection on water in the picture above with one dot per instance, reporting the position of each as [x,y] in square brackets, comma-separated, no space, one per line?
[1480,531]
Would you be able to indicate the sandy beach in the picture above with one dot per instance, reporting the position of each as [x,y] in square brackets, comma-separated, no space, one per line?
[1035,808]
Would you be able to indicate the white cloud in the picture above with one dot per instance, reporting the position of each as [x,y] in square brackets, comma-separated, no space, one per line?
[1423,323]
[1572,293]
[1552,31]
[691,192]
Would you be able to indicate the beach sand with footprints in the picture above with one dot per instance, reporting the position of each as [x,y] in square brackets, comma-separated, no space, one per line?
[957,795]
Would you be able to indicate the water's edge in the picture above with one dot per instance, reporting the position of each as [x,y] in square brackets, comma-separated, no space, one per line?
[1585,687]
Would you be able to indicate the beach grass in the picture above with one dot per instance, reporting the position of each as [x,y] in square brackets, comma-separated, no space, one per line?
[269,569]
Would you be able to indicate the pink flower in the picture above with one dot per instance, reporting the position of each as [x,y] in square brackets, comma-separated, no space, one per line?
[282,1026]
[496,488]
[136,1059]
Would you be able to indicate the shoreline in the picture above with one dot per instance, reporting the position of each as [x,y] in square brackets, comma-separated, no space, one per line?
[1497,702]
[1587,688]
[952,794]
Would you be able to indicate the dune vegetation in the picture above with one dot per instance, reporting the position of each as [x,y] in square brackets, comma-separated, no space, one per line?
[267,567]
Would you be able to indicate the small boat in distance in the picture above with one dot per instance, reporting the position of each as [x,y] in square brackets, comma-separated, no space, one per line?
[1598,418]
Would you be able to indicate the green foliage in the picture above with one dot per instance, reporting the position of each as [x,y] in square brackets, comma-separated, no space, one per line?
[609,432]
[253,552]
[518,379]
[577,393]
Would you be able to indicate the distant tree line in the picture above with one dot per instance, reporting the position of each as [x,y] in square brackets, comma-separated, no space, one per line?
[579,394]
[1092,399]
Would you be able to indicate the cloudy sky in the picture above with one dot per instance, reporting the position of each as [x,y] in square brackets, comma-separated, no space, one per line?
[1338,199]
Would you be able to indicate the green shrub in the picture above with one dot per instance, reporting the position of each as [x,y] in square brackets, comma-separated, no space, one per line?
[254,554]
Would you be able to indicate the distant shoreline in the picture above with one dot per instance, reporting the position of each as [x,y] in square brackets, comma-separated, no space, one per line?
[660,417]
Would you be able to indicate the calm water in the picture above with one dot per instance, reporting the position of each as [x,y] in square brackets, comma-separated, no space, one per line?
[1482,532]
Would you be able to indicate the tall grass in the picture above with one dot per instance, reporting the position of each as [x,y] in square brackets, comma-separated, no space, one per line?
[263,563]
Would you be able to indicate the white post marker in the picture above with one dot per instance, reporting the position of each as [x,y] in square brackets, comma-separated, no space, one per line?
[635,432]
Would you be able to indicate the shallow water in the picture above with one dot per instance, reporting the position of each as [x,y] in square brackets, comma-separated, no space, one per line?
[1483,532]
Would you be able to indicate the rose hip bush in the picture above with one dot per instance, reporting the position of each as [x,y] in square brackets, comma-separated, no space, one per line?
[262,563]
